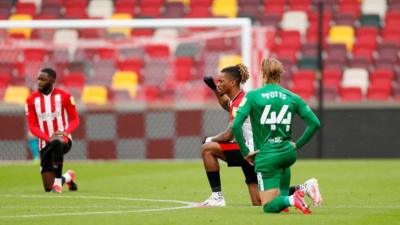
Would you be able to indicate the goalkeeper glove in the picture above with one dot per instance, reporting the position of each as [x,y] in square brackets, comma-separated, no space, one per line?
[210,82]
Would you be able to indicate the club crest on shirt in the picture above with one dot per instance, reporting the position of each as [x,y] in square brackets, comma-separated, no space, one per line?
[72,100]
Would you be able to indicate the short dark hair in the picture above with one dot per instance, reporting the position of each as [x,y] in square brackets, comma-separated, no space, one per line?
[51,72]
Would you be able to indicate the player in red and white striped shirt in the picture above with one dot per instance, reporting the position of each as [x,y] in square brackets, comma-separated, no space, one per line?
[52,117]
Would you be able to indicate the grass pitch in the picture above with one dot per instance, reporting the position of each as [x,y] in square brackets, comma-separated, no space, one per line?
[161,192]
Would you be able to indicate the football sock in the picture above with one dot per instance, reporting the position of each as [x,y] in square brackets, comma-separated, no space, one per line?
[285,182]
[277,204]
[67,177]
[214,180]
[58,181]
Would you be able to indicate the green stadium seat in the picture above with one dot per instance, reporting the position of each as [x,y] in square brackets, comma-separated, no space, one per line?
[308,63]
[186,49]
[370,20]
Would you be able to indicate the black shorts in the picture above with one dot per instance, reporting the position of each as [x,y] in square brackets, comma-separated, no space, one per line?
[46,157]
[232,154]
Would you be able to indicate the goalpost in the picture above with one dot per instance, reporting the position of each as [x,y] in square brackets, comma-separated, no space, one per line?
[243,23]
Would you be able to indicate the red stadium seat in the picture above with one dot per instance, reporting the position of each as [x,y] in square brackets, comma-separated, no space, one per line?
[106,53]
[377,93]
[304,91]
[125,6]
[199,12]
[157,50]
[332,78]
[351,7]
[381,74]
[75,10]
[142,32]
[304,76]
[351,94]
[183,68]
[132,64]
[74,80]
[204,3]
[35,54]
[28,8]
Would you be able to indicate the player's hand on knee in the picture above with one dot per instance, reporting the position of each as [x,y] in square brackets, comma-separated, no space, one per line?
[59,137]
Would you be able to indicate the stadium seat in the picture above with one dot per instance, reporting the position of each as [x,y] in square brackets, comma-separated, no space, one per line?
[183,68]
[332,78]
[5,79]
[225,8]
[370,20]
[295,20]
[132,64]
[356,77]
[25,32]
[350,7]
[186,49]
[125,7]
[66,37]
[174,10]
[100,9]
[75,9]
[307,63]
[157,50]
[342,34]
[228,60]
[35,54]
[126,31]
[125,80]
[16,95]
[27,8]
[91,33]
[359,62]
[377,93]
[94,95]
[351,94]
[185,2]
[74,80]
[374,7]
[345,19]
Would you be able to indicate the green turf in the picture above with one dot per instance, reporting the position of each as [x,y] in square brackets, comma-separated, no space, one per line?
[355,192]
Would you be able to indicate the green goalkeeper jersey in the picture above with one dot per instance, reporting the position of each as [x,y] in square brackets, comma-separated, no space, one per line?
[271,109]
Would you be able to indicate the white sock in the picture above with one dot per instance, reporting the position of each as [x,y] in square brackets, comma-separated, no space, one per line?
[291,200]
[58,181]
[217,194]
[67,177]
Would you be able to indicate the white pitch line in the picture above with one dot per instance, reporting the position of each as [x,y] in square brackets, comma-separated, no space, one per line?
[187,205]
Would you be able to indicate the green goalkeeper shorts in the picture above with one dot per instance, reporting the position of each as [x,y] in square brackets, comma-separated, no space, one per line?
[275,167]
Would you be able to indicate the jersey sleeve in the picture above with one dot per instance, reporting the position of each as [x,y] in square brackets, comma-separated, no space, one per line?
[32,120]
[242,114]
[302,108]
[72,113]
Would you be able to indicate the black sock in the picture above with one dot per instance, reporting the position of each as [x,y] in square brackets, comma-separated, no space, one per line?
[57,157]
[292,190]
[214,180]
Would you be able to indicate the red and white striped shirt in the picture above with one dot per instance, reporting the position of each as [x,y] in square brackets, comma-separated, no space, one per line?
[47,114]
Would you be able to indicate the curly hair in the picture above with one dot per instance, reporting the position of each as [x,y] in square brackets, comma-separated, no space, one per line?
[239,73]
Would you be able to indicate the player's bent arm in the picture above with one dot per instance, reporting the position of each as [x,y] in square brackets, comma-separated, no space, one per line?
[313,124]
[225,136]
[33,124]
[223,100]
[238,132]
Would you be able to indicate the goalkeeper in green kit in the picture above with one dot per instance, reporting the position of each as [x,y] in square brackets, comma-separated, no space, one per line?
[271,109]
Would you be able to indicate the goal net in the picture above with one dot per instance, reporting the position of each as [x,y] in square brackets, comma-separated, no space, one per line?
[140,60]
